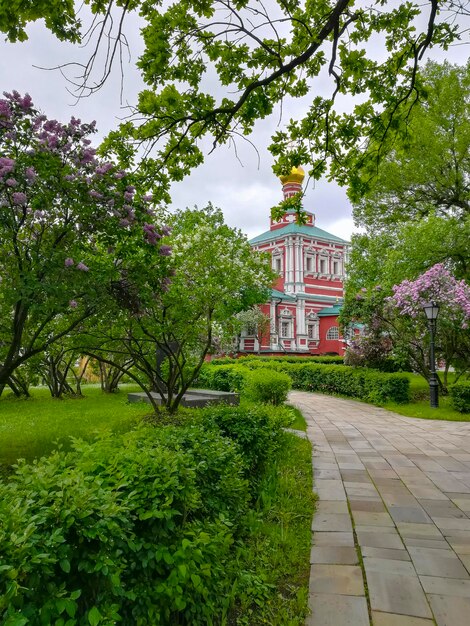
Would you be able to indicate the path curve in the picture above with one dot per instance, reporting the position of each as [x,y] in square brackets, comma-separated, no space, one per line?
[393,514]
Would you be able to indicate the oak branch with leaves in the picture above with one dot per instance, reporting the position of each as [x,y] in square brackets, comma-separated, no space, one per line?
[215,67]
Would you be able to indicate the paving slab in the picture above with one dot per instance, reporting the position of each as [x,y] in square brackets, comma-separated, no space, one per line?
[446,586]
[337,579]
[449,611]
[327,538]
[403,485]
[345,555]
[332,610]
[392,619]
[395,593]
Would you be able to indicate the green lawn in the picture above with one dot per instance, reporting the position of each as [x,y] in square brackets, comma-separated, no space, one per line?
[33,427]
[419,406]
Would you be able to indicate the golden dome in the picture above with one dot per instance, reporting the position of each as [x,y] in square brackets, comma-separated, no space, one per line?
[296,175]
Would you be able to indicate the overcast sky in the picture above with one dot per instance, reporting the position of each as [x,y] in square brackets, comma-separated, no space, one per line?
[244,189]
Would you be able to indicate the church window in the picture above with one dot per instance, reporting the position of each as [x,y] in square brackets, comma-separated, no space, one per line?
[312,330]
[335,268]
[277,263]
[322,266]
[309,263]
[285,329]
[332,333]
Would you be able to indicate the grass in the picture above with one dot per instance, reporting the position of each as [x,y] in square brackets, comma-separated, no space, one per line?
[33,427]
[278,549]
[299,422]
[419,405]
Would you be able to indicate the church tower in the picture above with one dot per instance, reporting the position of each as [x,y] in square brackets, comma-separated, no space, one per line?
[307,295]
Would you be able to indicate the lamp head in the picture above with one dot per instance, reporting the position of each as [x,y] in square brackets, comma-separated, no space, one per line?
[432,310]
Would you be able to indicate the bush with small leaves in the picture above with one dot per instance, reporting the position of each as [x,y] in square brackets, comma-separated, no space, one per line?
[460,396]
[267,386]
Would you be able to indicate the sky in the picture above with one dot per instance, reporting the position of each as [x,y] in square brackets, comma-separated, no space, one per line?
[241,183]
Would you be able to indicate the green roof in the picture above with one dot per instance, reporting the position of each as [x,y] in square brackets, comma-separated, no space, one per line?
[330,310]
[297,229]
[279,295]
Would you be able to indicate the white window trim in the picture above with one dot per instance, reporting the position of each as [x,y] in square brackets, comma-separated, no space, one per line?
[336,330]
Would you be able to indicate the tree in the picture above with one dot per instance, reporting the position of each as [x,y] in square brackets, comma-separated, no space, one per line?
[400,319]
[72,228]
[256,56]
[253,321]
[427,171]
[214,273]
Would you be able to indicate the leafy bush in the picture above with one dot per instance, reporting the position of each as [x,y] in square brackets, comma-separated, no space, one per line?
[258,430]
[137,529]
[222,378]
[460,397]
[267,386]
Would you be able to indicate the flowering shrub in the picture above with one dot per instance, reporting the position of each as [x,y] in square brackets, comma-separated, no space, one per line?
[71,226]
[437,284]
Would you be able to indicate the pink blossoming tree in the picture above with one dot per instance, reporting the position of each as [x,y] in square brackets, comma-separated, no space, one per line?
[398,321]
[74,232]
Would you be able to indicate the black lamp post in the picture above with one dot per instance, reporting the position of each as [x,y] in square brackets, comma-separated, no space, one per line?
[432,311]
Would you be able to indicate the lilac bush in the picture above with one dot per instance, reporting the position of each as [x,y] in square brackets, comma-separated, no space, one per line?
[71,227]
[438,285]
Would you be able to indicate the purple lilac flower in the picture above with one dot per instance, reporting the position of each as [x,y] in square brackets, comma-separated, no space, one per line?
[73,304]
[104,168]
[151,234]
[148,197]
[128,196]
[68,262]
[166,230]
[11,182]
[120,174]
[95,194]
[19,198]
[30,174]
[6,166]
[165,250]
[82,267]
[124,222]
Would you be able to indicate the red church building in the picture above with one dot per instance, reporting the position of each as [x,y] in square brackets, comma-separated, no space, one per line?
[307,295]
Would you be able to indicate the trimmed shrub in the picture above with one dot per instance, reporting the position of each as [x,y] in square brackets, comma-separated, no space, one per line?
[267,386]
[245,360]
[460,397]
[257,430]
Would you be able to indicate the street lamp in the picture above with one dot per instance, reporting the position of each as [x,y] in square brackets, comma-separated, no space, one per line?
[432,311]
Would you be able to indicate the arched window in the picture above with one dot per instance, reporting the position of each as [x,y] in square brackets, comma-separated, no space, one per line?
[332,333]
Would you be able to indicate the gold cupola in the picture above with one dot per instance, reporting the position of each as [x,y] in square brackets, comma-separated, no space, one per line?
[296,176]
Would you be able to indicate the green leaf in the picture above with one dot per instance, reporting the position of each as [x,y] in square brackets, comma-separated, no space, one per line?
[65,565]
[94,616]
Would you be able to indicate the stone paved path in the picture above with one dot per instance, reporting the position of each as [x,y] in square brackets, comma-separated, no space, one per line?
[394,493]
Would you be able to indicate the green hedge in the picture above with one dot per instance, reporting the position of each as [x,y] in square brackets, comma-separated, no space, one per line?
[141,528]
[355,382]
[246,360]
[460,397]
